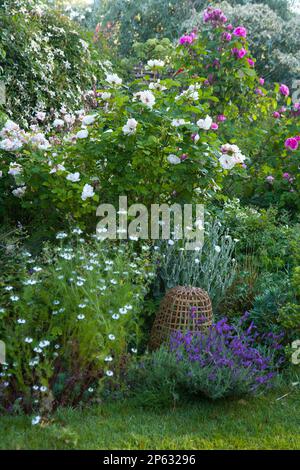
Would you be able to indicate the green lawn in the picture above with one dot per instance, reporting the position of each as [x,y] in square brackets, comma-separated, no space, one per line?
[260,423]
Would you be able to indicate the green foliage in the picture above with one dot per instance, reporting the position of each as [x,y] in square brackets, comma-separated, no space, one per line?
[46,62]
[68,321]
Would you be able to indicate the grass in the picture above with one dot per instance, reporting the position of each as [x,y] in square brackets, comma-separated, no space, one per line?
[256,423]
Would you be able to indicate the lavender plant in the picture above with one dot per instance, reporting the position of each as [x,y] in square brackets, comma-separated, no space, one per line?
[226,361]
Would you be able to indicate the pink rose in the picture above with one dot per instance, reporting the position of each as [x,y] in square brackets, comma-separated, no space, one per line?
[291,144]
[276,115]
[240,31]
[214,126]
[261,81]
[284,90]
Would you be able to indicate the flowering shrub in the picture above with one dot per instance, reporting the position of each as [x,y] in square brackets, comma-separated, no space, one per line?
[68,321]
[46,62]
[153,141]
[225,361]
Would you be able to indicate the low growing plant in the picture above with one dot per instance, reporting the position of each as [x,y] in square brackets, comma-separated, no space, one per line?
[68,322]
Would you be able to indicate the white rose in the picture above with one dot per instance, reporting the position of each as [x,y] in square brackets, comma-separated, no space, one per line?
[173,159]
[130,127]
[58,123]
[83,134]
[87,120]
[88,191]
[205,123]
[226,162]
[73,177]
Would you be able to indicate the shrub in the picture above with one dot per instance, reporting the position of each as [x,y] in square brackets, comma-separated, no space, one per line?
[46,62]
[225,361]
[68,322]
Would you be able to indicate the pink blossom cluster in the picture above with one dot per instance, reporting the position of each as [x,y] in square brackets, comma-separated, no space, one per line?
[239,53]
[187,38]
[215,16]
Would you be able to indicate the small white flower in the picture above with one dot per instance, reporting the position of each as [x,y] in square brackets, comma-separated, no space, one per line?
[8,288]
[81,316]
[88,191]
[35,420]
[61,236]
[115,316]
[111,337]
[28,340]
[82,305]
[217,248]
[73,177]
[134,350]
[90,390]
[14,298]
[19,192]
[77,231]
[108,359]
[155,63]
[178,122]
[109,373]
[30,282]
[43,389]
[40,115]
[15,169]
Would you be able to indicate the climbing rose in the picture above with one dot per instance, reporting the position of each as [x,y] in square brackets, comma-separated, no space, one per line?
[239,53]
[88,191]
[276,115]
[186,39]
[291,143]
[240,31]
[284,90]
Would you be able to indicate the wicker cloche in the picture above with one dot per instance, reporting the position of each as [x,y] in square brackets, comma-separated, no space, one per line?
[182,308]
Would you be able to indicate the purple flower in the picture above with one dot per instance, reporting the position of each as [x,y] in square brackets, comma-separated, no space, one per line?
[251,62]
[261,81]
[221,118]
[276,115]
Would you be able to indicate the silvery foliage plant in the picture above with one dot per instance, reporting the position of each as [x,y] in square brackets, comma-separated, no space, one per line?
[211,267]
